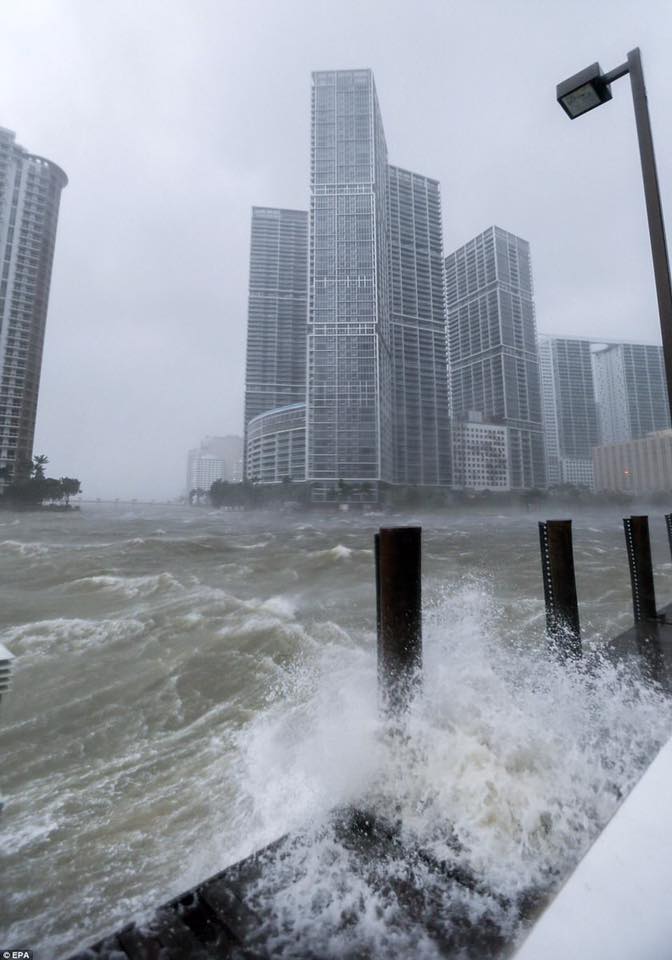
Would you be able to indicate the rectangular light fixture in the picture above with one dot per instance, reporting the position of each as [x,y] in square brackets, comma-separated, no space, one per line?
[583,92]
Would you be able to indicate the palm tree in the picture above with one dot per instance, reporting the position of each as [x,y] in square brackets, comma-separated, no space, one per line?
[39,463]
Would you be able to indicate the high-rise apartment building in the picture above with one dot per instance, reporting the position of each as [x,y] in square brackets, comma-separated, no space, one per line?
[277,310]
[570,412]
[631,390]
[421,412]
[493,346]
[30,191]
[349,395]
[374,376]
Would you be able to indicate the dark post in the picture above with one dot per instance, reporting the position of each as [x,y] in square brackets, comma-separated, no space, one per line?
[654,210]
[641,568]
[398,583]
[376,550]
[668,524]
[562,605]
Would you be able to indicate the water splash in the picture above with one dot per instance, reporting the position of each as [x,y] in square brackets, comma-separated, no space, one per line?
[509,766]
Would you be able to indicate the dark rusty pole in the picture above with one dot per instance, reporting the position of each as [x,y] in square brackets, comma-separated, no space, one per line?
[399,615]
[376,548]
[654,210]
[638,543]
[668,524]
[562,605]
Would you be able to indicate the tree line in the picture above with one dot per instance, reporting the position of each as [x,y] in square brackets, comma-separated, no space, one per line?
[250,495]
[29,486]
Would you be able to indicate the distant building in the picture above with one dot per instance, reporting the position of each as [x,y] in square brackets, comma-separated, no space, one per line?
[275,373]
[480,454]
[217,458]
[630,390]
[570,412]
[638,467]
[276,445]
[30,192]
[421,412]
[493,346]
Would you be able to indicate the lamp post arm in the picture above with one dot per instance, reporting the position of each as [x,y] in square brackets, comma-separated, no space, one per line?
[616,73]
[661,263]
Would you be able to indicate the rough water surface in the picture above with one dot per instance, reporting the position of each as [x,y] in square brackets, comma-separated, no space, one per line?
[190,685]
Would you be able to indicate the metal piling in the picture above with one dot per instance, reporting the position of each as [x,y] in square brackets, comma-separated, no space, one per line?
[562,606]
[638,543]
[399,615]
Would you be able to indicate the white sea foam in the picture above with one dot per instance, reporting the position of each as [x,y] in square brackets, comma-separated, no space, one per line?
[510,765]
[24,549]
[50,637]
[130,587]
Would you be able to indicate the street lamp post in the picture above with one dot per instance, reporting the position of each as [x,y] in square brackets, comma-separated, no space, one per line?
[590,88]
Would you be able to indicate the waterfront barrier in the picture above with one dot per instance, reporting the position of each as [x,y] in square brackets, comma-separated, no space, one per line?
[219,919]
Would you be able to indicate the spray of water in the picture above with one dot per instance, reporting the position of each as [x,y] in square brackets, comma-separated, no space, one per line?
[508,766]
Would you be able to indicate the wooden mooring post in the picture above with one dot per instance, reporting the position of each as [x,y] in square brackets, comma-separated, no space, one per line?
[562,606]
[398,615]
[638,544]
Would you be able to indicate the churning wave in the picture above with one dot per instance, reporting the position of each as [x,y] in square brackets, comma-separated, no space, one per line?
[509,766]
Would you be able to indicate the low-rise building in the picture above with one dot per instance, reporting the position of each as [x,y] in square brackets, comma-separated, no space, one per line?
[480,460]
[636,466]
[276,445]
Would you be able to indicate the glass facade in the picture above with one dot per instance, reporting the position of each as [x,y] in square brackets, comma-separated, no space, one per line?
[631,390]
[422,449]
[493,346]
[275,372]
[571,425]
[30,191]
[349,430]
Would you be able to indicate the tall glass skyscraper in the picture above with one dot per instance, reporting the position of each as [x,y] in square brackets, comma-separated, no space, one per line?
[275,373]
[376,381]
[30,192]
[349,395]
[421,412]
[571,426]
[493,345]
[631,390]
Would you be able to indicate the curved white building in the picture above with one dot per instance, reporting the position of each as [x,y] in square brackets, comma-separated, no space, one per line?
[276,445]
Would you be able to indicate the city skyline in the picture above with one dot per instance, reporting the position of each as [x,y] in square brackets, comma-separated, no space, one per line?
[183,132]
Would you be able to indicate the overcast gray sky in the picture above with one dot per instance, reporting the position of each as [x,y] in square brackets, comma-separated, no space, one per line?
[172,119]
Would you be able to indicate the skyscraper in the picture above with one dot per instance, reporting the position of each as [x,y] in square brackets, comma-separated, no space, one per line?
[493,345]
[277,310]
[570,411]
[30,191]
[376,382]
[421,414]
[631,390]
[349,395]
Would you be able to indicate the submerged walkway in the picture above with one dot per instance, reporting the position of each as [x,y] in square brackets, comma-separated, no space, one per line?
[217,919]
